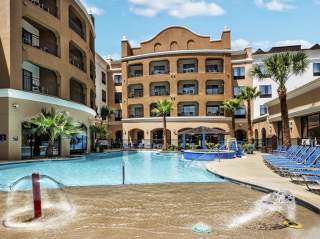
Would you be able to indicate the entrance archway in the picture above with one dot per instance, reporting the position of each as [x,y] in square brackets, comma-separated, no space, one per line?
[157,138]
[241,136]
[136,137]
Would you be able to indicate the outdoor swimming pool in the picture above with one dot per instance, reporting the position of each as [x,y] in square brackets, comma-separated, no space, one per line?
[106,169]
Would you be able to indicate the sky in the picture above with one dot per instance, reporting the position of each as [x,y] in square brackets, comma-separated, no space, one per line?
[255,23]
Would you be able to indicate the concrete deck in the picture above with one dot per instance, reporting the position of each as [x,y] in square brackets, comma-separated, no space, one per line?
[251,170]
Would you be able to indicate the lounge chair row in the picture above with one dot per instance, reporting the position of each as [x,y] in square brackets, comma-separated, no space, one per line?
[300,163]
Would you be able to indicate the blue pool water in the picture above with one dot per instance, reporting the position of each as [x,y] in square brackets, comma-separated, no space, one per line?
[106,169]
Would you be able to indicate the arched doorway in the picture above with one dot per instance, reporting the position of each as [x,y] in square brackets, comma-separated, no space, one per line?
[241,136]
[157,138]
[136,137]
[256,138]
[264,137]
[117,143]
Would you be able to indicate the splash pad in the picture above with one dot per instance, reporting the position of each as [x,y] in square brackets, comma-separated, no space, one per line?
[35,202]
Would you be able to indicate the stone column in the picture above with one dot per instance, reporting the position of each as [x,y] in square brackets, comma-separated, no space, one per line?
[65,147]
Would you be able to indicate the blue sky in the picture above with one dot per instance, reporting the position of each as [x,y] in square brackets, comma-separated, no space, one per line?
[258,23]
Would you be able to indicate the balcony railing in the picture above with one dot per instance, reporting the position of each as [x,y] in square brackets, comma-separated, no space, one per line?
[160,92]
[187,113]
[75,27]
[33,84]
[136,73]
[240,114]
[189,70]
[188,91]
[215,91]
[213,68]
[159,72]
[77,62]
[136,94]
[215,113]
[52,10]
[135,115]
[34,41]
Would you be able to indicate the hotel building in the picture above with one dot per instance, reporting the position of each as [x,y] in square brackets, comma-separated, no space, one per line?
[47,54]
[114,82]
[101,83]
[302,97]
[196,73]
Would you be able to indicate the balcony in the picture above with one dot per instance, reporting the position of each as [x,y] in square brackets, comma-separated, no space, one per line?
[76,23]
[39,37]
[135,91]
[187,66]
[38,79]
[240,113]
[77,92]
[187,87]
[49,6]
[135,111]
[188,109]
[77,57]
[239,73]
[160,88]
[135,70]
[159,67]
[214,109]
[215,87]
[214,66]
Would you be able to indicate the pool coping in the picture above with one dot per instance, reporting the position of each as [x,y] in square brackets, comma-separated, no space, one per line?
[256,187]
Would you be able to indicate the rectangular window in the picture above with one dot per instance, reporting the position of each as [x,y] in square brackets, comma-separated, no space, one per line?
[310,126]
[189,110]
[189,89]
[237,91]
[118,97]
[188,68]
[316,69]
[240,113]
[214,110]
[239,73]
[265,91]
[117,115]
[104,96]
[117,79]
[103,78]
[27,80]
[263,110]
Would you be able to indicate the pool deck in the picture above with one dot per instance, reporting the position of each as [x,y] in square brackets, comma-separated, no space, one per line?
[252,171]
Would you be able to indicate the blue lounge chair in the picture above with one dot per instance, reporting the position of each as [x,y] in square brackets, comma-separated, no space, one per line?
[312,183]
[292,152]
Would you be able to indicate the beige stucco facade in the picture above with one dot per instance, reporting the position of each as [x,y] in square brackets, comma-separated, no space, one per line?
[51,65]
[170,53]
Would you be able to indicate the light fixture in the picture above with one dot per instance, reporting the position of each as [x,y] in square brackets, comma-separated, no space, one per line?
[15,105]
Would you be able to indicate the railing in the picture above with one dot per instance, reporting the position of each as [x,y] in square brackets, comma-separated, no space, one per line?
[136,73]
[52,10]
[219,113]
[75,27]
[135,115]
[136,94]
[213,69]
[76,62]
[189,70]
[159,92]
[187,114]
[215,91]
[159,72]
[34,41]
[188,92]
[266,95]
[240,77]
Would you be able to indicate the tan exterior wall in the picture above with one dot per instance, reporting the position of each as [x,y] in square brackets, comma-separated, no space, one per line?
[13,52]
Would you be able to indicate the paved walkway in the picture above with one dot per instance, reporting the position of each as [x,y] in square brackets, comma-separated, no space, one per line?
[252,170]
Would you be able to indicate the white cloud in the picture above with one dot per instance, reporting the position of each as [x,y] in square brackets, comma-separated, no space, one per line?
[92,9]
[240,44]
[275,5]
[176,8]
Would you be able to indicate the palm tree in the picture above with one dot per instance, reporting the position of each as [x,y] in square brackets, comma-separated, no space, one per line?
[163,109]
[248,94]
[53,125]
[280,67]
[106,112]
[231,106]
